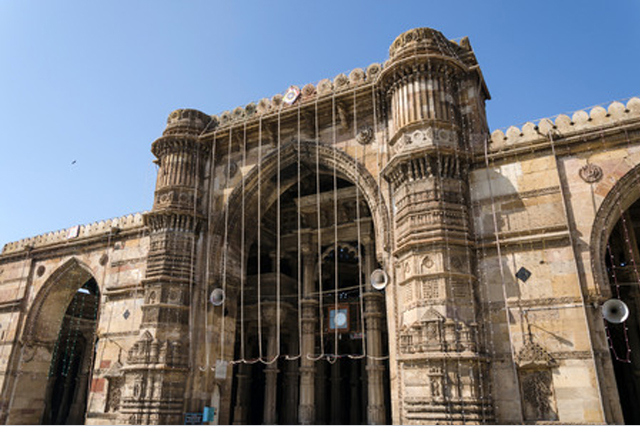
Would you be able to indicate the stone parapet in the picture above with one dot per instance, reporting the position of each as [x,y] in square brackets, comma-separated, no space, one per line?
[563,126]
[79,232]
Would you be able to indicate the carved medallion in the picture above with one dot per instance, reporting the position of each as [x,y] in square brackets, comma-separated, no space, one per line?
[591,173]
[365,136]
[40,270]
[427,263]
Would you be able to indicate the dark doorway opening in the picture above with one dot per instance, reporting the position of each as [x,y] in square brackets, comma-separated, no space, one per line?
[622,259]
[73,352]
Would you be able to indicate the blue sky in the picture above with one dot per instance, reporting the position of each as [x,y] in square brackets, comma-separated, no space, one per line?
[93,82]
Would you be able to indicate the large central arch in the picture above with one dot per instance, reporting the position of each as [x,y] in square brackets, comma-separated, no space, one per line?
[310,153]
[244,199]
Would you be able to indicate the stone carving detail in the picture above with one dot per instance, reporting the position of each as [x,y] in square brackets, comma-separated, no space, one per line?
[308,90]
[430,289]
[532,355]
[356,76]
[373,71]
[340,82]
[427,263]
[429,136]
[434,333]
[365,136]
[536,382]
[153,351]
[114,394]
[590,173]
[537,395]
[40,270]
[324,86]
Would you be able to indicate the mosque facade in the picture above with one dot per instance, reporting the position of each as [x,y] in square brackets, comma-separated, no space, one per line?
[360,250]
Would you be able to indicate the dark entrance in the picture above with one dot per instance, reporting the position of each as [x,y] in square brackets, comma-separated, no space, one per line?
[319,237]
[622,259]
[71,360]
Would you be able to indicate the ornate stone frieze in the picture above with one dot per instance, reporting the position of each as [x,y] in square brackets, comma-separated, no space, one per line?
[434,333]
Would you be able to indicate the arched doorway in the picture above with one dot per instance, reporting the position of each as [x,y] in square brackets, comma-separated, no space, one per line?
[616,264]
[57,349]
[622,261]
[67,386]
[305,267]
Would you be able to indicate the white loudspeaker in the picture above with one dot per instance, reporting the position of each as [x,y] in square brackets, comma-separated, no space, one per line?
[379,279]
[615,311]
[217,297]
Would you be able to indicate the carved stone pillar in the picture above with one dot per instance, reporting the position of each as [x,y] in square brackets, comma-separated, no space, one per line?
[435,94]
[290,405]
[242,394]
[373,316]
[306,413]
[270,314]
[336,393]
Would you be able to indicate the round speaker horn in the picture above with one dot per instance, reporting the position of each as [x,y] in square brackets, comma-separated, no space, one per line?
[615,311]
[217,297]
[379,279]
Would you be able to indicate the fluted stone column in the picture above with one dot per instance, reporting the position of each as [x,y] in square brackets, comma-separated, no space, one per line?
[270,313]
[373,316]
[306,412]
[290,403]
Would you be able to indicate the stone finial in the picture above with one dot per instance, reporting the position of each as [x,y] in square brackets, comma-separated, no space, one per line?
[420,40]
[308,90]
[264,105]
[373,71]
[325,86]
[356,76]
[187,118]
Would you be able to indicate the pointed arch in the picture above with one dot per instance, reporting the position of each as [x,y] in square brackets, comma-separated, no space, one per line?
[47,310]
[329,158]
[619,198]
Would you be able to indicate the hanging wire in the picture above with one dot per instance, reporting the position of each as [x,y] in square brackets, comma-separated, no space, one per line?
[205,287]
[299,243]
[319,226]
[627,358]
[358,231]
[259,222]
[242,242]
[335,226]
[278,224]
[225,246]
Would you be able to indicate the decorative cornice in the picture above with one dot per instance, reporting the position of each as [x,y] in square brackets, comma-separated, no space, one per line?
[178,143]
[173,220]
